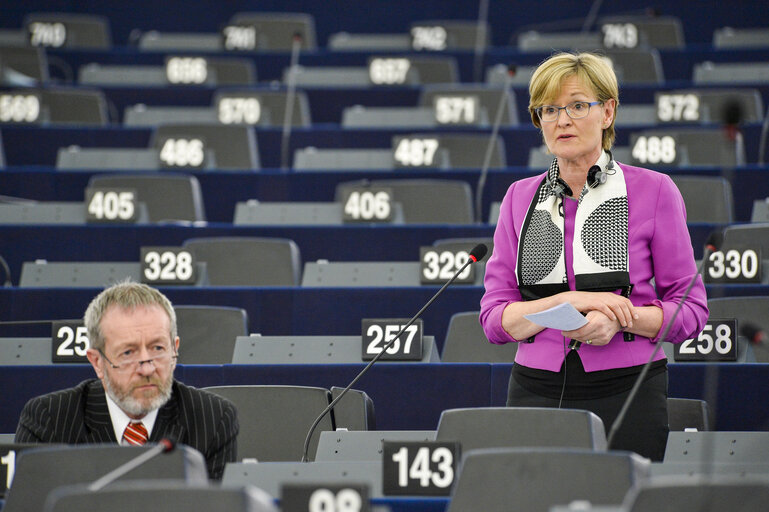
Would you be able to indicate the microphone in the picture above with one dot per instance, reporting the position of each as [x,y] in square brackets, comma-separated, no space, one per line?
[511,69]
[288,113]
[477,254]
[165,445]
[480,38]
[753,333]
[712,244]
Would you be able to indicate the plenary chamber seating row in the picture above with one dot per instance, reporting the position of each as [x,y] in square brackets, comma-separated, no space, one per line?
[626,480]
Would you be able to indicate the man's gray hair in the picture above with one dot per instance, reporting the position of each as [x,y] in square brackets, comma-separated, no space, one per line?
[126,295]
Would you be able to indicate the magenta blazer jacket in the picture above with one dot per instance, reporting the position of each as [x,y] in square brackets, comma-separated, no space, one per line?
[661,266]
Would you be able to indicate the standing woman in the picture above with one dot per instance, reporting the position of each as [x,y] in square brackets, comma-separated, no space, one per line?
[608,238]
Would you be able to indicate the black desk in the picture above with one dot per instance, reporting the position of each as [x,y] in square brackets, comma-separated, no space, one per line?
[411,396]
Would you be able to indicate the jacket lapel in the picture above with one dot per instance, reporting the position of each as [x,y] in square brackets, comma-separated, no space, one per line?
[167,424]
[98,424]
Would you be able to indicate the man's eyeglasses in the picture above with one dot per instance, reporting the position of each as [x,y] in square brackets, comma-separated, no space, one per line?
[131,364]
[575,110]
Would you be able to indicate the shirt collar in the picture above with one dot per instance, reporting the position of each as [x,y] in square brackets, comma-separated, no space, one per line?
[120,419]
[603,160]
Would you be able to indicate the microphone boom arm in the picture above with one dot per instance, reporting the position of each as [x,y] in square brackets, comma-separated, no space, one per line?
[376,358]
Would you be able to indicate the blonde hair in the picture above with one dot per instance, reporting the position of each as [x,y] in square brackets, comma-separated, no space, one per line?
[592,70]
[126,295]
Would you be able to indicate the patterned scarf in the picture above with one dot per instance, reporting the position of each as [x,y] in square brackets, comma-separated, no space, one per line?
[600,247]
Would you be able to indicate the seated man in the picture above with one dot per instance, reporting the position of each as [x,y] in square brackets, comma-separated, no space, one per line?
[132,330]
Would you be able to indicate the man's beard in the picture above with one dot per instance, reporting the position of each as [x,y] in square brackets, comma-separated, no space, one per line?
[136,407]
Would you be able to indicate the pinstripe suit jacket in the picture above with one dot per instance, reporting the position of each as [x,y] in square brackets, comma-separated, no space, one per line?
[79,415]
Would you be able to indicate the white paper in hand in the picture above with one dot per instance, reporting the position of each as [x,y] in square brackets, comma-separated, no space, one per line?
[563,317]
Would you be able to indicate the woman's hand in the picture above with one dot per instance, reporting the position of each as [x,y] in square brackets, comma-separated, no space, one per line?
[599,330]
[614,307]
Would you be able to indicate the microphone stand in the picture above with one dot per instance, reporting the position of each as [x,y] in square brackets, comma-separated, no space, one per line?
[481,249]
[163,446]
[489,148]
[709,249]
[288,113]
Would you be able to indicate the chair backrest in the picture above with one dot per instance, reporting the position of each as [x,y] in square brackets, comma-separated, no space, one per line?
[248,261]
[219,71]
[719,208]
[85,31]
[167,196]
[255,213]
[651,31]
[753,234]
[272,106]
[425,201]
[360,273]
[487,97]
[747,310]
[363,445]
[275,31]
[354,411]
[718,105]
[174,496]
[77,274]
[40,471]
[633,115]
[535,479]
[312,350]
[23,66]
[271,476]
[459,34]
[637,66]
[686,413]
[676,494]
[462,151]
[234,147]
[518,427]
[25,351]
[467,343]
[693,147]
[275,420]
[433,69]
[75,106]
[208,333]
[760,211]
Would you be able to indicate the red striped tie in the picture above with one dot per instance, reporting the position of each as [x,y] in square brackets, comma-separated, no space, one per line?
[135,434]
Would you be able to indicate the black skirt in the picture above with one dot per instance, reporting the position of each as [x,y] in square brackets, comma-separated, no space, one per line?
[645,427]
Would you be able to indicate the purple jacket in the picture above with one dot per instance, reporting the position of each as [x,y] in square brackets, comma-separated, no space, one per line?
[659,249]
